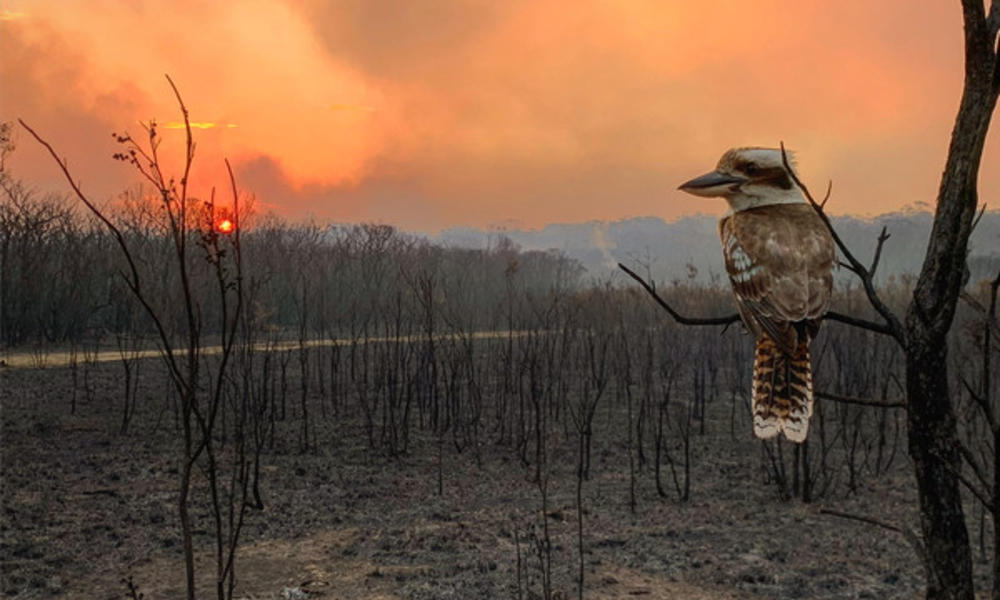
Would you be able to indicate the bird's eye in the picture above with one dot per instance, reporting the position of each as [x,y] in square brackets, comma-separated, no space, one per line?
[750,169]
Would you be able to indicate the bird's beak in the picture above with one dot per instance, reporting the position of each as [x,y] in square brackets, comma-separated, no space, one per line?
[715,183]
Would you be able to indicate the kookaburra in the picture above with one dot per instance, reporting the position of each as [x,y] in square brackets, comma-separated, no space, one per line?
[779,255]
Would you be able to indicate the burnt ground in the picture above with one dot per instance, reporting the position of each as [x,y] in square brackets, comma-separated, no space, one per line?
[85,507]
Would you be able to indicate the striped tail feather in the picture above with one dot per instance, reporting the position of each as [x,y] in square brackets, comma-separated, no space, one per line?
[782,397]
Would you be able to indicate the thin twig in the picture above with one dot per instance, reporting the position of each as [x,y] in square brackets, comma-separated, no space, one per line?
[986,502]
[882,237]
[861,401]
[970,459]
[991,324]
[829,190]
[906,532]
[861,518]
[881,328]
[726,320]
[982,403]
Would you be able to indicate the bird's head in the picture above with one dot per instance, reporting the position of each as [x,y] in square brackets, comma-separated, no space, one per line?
[746,178]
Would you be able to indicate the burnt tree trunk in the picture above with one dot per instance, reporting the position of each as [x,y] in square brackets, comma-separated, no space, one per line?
[933,440]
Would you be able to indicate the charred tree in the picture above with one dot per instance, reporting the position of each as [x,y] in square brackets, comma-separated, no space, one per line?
[933,438]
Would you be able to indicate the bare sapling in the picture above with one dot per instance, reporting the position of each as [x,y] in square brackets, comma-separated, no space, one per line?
[190,224]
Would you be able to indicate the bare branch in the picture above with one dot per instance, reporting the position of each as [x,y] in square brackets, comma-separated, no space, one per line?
[992,325]
[878,403]
[726,320]
[986,502]
[861,518]
[882,237]
[977,470]
[982,403]
[906,532]
[892,321]
[733,318]
[881,328]
[972,301]
[189,146]
[990,328]
[829,188]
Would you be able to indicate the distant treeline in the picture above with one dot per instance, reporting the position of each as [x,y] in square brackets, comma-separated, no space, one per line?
[60,276]
[673,249]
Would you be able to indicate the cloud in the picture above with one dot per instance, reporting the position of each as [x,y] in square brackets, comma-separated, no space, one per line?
[358,107]
[382,199]
[197,125]
[45,84]
[226,68]
[443,113]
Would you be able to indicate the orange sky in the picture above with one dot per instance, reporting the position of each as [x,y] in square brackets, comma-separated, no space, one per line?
[429,114]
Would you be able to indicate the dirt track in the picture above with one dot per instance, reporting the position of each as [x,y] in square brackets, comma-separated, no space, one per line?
[62,358]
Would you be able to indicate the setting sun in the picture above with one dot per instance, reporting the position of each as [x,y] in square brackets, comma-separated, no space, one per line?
[225,226]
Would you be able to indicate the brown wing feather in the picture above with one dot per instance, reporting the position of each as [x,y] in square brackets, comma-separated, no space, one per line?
[779,259]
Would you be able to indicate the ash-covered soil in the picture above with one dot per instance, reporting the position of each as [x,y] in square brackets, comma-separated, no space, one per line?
[85,506]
